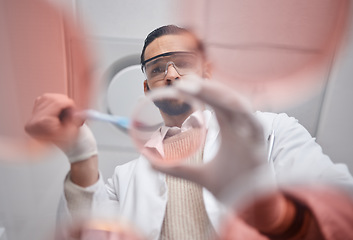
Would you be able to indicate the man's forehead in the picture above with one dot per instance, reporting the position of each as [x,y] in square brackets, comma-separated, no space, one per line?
[171,43]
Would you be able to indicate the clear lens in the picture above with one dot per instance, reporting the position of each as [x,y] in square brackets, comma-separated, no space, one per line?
[184,135]
[184,63]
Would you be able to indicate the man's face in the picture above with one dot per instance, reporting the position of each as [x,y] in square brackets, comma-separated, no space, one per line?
[170,58]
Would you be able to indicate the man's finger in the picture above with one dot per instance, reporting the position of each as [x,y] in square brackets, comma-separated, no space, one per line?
[213,93]
[188,172]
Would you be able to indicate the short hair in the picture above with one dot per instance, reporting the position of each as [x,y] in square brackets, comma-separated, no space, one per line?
[169,30]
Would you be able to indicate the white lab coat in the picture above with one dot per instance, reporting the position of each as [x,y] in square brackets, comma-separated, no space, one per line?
[140,194]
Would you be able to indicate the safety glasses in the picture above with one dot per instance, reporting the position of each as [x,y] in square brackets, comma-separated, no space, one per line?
[156,68]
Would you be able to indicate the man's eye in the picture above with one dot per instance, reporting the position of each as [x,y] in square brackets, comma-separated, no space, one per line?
[185,64]
[157,70]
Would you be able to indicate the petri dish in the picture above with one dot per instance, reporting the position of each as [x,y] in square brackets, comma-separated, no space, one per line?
[168,127]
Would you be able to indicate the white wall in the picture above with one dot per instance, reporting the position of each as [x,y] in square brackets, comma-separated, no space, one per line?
[334,128]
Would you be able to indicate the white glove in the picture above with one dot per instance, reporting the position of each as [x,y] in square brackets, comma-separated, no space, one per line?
[84,147]
[53,120]
[240,167]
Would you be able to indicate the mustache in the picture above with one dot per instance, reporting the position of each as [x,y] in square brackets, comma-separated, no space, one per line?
[172,107]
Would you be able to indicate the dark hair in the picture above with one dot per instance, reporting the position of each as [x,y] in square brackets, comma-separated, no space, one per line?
[168,30]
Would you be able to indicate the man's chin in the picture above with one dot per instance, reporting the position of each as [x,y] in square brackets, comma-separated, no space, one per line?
[173,107]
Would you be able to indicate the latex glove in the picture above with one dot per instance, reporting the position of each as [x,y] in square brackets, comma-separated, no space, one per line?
[240,166]
[53,120]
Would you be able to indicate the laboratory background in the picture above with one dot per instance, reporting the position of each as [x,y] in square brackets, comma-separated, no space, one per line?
[115,30]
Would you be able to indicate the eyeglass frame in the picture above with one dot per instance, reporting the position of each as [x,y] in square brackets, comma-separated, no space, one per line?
[143,64]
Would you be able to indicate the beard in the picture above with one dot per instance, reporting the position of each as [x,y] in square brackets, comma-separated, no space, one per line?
[172,107]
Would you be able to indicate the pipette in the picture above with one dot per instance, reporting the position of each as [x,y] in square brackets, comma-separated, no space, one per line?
[121,122]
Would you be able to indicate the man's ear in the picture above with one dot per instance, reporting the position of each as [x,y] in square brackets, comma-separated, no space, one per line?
[207,70]
[146,88]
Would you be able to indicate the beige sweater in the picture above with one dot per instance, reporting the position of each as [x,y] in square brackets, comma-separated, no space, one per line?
[186,216]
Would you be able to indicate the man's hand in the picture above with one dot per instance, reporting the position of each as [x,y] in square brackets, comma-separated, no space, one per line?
[240,166]
[54,120]
[239,174]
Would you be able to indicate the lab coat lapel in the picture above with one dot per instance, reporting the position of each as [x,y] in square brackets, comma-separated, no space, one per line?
[146,198]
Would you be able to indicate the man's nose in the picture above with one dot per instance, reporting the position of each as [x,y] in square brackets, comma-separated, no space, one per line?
[171,73]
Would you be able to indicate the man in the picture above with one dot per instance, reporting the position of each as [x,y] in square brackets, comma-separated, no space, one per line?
[161,206]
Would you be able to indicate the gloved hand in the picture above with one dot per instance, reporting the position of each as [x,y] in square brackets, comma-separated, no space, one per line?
[54,120]
[240,167]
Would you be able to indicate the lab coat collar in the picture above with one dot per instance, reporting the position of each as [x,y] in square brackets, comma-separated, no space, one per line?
[193,121]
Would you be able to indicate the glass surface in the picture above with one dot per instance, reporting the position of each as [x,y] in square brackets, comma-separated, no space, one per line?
[168,127]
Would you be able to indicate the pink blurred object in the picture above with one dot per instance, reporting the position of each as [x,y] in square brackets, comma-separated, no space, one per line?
[96,229]
[276,52]
[42,50]
[332,209]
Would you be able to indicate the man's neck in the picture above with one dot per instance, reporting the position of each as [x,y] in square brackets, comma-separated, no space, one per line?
[175,121]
